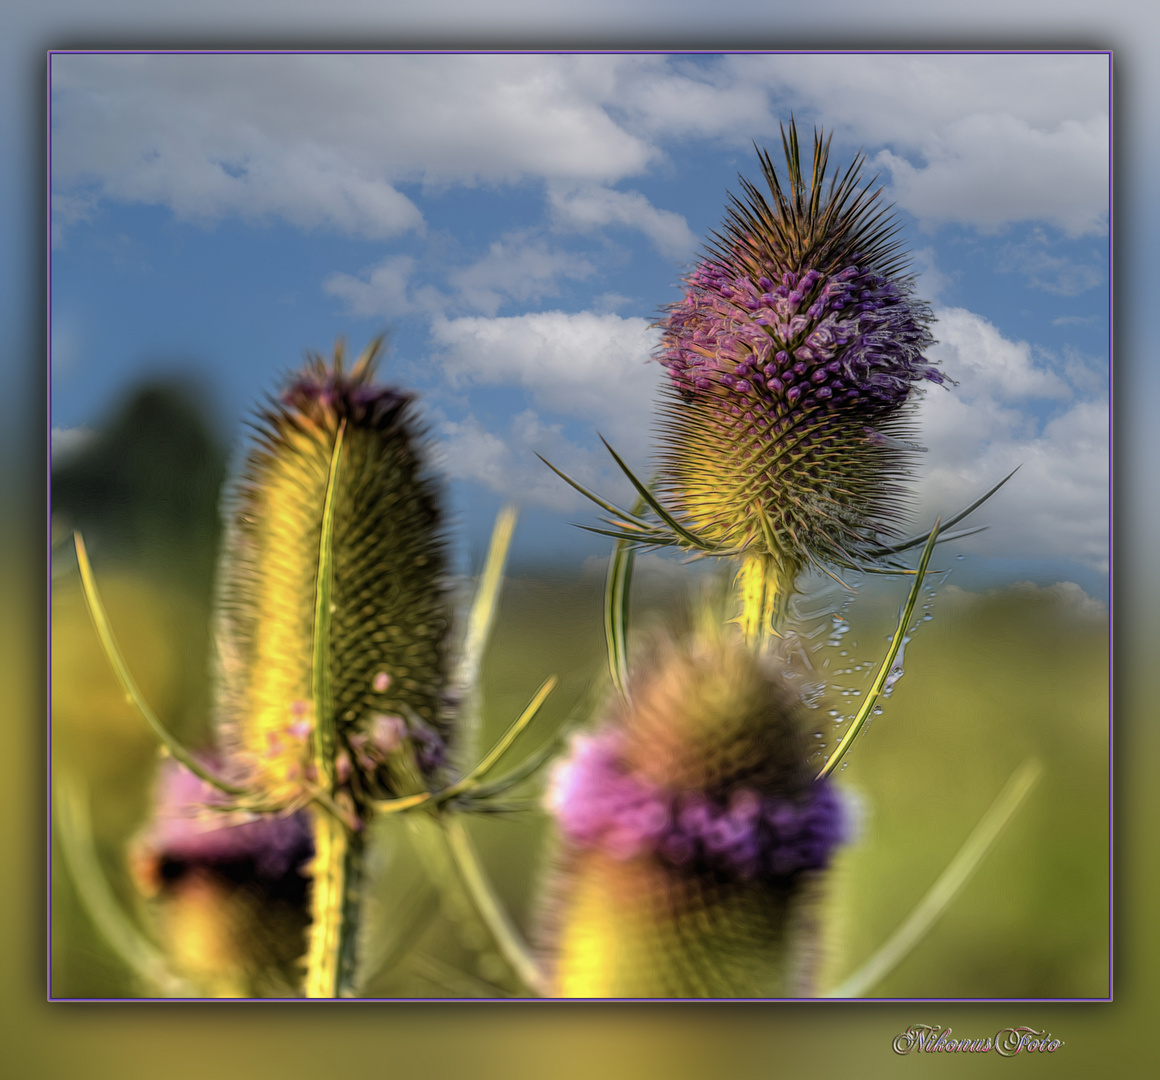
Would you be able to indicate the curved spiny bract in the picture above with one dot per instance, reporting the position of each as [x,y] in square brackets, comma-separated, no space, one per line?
[694,837]
[389,615]
[791,359]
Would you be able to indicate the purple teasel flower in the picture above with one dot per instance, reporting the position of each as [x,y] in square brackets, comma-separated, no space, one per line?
[192,828]
[792,356]
[695,835]
[599,803]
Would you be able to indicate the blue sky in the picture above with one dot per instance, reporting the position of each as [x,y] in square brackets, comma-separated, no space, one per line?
[515,223]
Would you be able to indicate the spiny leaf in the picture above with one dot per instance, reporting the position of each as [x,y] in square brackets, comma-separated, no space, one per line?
[124,677]
[324,731]
[879,683]
[918,538]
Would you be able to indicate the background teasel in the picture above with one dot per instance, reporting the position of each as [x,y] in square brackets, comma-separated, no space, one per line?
[694,834]
[388,616]
[334,617]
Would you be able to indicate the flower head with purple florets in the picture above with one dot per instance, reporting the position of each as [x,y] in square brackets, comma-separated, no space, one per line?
[192,827]
[792,355]
[600,803]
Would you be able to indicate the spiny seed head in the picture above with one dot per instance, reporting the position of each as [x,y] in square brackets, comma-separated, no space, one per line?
[389,610]
[791,356]
[693,834]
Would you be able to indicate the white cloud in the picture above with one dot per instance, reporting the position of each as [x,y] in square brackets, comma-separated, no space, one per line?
[326,140]
[67,441]
[984,140]
[384,291]
[1057,504]
[592,207]
[585,365]
[991,170]
[988,366]
[332,140]
[1059,274]
[516,268]
[506,464]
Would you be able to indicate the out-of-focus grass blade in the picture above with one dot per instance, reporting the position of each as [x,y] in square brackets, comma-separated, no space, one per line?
[479,625]
[76,845]
[124,677]
[459,982]
[914,541]
[879,683]
[946,888]
[324,733]
[491,911]
[406,926]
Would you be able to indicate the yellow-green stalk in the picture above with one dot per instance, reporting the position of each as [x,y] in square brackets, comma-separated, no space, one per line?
[333,624]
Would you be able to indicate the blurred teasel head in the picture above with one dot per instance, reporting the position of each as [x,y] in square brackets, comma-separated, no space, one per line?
[792,355]
[373,631]
[227,888]
[694,836]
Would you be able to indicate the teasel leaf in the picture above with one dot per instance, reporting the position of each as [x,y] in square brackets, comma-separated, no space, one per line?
[948,885]
[113,654]
[617,591]
[918,538]
[879,683]
[325,734]
[501,746]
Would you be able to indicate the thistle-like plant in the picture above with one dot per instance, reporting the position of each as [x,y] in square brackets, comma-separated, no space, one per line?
[694,835]
[334,618]
[791,360]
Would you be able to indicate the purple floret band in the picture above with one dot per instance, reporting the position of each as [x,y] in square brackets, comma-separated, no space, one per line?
[600,804]
[186,827]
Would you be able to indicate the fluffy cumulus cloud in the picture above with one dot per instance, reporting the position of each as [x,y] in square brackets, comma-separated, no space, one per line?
[591,207]
[583,365]
[333,141]
[977,432]
[979,140]
[321,140]
[505,462]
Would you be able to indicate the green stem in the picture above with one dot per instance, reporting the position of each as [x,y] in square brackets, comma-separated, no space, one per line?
[336,869]
[490,909]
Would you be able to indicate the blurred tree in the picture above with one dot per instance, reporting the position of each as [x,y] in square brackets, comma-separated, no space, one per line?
[145,490]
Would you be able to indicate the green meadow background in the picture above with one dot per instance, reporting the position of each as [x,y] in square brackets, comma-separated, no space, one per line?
[991,680]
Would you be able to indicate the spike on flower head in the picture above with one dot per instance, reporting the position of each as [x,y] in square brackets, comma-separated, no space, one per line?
[694,834]
[388,613]
[792,355]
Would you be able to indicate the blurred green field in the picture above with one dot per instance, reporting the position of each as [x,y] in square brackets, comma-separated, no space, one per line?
[990,681]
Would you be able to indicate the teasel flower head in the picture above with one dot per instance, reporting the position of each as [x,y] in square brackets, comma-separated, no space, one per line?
[387,617]
[694,835]
[227,888]
[791,358]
